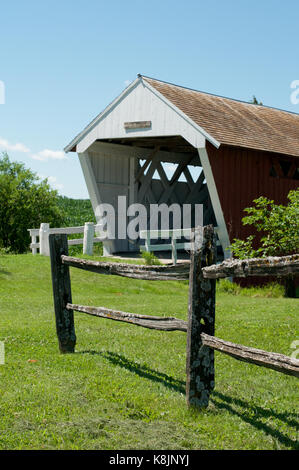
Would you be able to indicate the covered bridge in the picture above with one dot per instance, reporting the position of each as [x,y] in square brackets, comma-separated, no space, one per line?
[243,151]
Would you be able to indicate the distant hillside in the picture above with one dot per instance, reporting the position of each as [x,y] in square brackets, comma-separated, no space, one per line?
[76,211]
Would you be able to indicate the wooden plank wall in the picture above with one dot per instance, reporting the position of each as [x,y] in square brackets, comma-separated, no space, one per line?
[242,175]
[112,174]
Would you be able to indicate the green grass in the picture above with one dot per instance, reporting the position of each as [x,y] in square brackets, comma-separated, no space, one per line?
[272,289]
[124,388]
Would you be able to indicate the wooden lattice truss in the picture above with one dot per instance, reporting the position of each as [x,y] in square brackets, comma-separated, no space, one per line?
[171,190]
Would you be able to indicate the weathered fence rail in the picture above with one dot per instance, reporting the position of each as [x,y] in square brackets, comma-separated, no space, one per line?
[147,321]
[271,266]
[151,273]
[275,361]
[202,273]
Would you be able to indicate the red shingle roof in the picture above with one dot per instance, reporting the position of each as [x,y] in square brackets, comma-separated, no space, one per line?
[235,123]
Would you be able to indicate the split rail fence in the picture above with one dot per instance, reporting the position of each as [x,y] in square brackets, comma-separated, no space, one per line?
[202,273]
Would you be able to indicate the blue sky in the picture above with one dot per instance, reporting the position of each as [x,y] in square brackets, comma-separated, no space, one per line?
[63,61]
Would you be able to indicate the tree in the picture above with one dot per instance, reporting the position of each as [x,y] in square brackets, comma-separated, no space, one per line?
[279,231]
[255,101]
[25,202]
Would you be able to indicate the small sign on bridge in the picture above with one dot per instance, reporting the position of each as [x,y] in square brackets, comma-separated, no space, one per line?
[138,125]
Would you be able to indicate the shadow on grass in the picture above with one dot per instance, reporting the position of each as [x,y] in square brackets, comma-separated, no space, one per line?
[141,370]
[249,413]
[4,272]
[254,414]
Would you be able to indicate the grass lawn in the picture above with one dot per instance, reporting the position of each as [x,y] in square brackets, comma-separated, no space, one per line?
[124,388]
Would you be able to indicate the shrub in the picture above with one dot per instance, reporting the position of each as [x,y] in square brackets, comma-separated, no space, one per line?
[279,228]
[278,224]
[25,202]
[149,258]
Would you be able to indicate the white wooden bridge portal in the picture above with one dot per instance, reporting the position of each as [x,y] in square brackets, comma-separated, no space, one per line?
[124,150]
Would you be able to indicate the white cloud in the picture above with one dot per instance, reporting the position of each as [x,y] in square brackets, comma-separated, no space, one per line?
[127,82]
[8,146]
[52,180]
[47,154]
[43,155]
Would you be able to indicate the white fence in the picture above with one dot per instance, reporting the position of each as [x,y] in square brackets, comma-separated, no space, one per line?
[89,239]
[44,231]
[173,235]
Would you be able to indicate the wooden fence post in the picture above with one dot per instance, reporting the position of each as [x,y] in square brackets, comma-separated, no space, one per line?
[62,293]
[201,311]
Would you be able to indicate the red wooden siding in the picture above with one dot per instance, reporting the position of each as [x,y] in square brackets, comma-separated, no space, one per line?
[242,175]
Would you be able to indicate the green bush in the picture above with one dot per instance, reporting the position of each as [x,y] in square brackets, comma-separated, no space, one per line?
[278,225]
[149,258]
[25,202]
[279,228]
